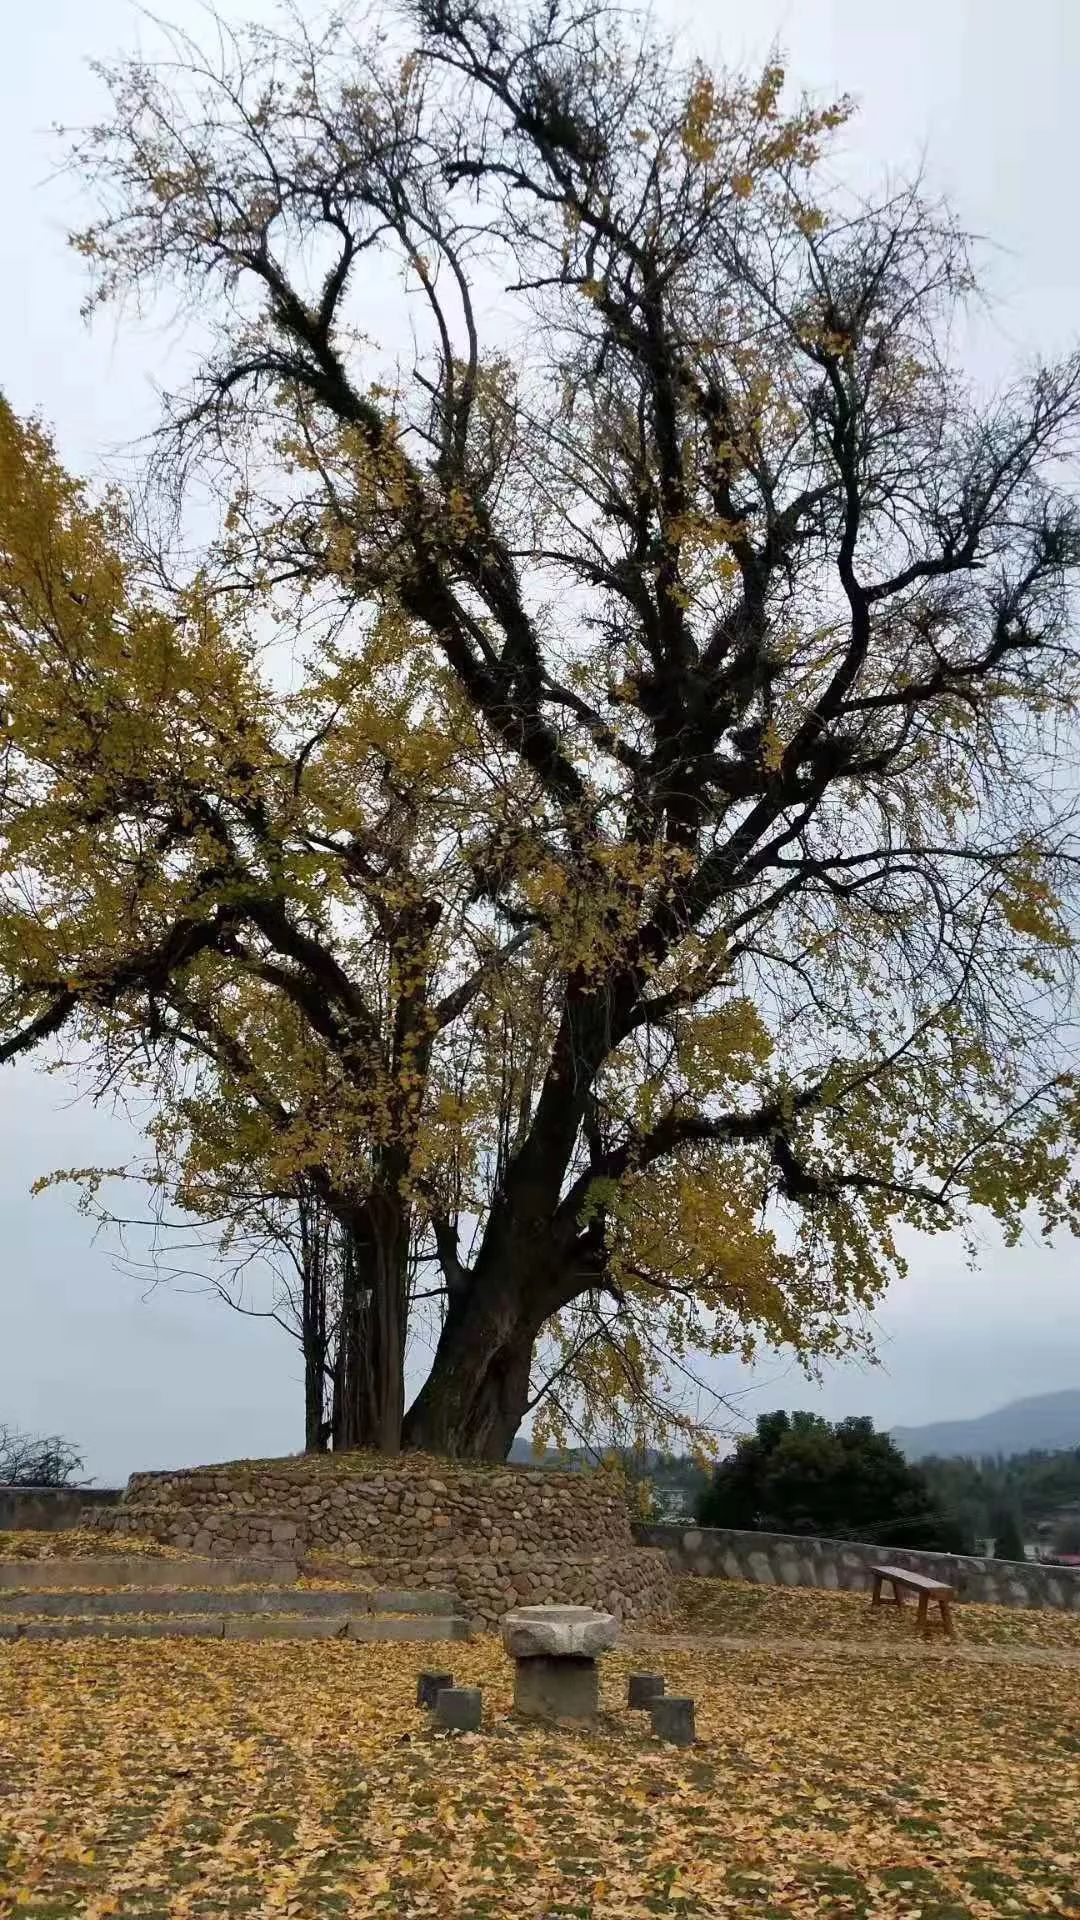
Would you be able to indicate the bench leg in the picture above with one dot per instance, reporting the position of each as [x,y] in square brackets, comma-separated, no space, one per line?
[875,1597]
[897,1594]
[921,1622]
[946,1616]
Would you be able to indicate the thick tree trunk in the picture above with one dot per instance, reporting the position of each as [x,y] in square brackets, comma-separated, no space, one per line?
[476,1395]
[386,1250]
[477,1392]
[347,1414]
[369,1378]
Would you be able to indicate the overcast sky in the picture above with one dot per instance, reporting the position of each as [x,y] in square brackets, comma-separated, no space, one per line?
[983,94]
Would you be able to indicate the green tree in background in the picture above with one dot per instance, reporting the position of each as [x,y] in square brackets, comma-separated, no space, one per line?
[1034,1487]
[1067,1538]
[1008,1537]
[799,1474]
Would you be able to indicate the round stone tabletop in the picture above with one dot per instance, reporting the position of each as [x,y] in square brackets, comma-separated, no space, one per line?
[570,1633]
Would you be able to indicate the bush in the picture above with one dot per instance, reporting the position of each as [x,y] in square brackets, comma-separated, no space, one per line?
[37,1460]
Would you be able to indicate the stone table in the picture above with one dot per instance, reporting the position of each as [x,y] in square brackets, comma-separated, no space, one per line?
[554,1650]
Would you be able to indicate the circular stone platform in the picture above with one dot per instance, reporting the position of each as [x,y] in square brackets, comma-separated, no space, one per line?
[499,1537]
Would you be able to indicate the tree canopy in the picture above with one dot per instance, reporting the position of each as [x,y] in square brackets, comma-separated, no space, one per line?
[797,1473]
[593,809]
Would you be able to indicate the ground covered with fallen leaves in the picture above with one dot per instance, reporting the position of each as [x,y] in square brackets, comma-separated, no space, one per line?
[804,1613]
[184,1778]
[80,1543]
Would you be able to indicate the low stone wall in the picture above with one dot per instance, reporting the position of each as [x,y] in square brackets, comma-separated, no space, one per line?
[497,1536]
[793,1560]
[47,1509]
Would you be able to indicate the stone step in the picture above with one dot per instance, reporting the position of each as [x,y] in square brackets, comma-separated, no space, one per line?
[261,1601]
[142,1570]
[425,1628]
[374,1626]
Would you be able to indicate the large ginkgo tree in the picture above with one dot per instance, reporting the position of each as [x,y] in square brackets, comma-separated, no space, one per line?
[602,807]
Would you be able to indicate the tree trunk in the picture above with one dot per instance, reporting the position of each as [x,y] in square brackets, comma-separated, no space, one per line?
[369,1377]
[345,1417]
[385,1248]
[315,1252]
[477,1393]
[314,1343]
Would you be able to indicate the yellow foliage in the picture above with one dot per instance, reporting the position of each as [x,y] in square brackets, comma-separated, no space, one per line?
[723,1047]
[188,1778]
[1032,908]
[742,1610]
[699,131]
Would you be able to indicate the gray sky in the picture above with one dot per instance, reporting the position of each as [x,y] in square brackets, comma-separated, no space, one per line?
[983,94]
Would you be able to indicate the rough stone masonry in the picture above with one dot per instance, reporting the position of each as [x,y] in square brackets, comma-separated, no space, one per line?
[799,1560]
[499,1537]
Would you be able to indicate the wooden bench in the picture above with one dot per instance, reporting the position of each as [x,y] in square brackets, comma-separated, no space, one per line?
[927,1590]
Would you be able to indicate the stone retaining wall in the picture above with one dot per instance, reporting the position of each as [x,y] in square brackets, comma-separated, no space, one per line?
[46,1509]
[793,1560]
[497,1536]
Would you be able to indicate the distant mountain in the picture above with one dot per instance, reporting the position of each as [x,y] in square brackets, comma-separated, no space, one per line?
[1050,1420]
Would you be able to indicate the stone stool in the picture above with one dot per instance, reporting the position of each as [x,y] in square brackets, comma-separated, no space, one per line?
[673,1719]
[643,1689]
[459,1709]
[429,1686]
[554,1651]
